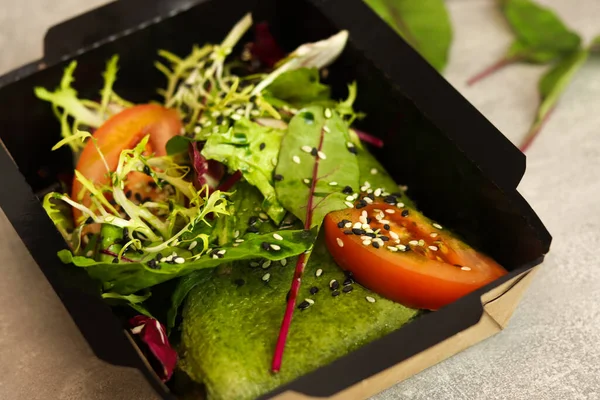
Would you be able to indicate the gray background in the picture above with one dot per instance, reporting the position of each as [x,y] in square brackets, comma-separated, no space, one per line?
[551,349]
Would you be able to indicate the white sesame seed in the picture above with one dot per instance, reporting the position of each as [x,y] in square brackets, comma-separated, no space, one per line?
[414,242]
[364,213]
[348,225]
[399,205]
[236,117]
[433,234]
[366,242]
[263,216]
[331,282]
[368,200]
[266,277]
[363,188]
[321,155]
[266,264]
[393,235]
[169,258]
[319,272]
[465,268]
[296,159]
[215,256]
[306,180]
[436,225]
[355,195]
[283,262]
[370,299]
[365,226]
[164,259]
[349,205]
[401,247]
[369,191]
[374,171]
[327,113]
[221,252]
[254,264]
[392,248]
[378,240]
[362,219]
[434,248]
[350,145]
[275,247]
[89,253]
[240,111]
[306,149]
[384,193]
[239,240]
[180,260]
[421,242]
[390,211]
[357,225]
[277,236]
[377,210]
[368,230]
[333,183]
[365,237]
[340,242]
[377,192]
[349,198]
[236,234]
[326,129]
[235,244]
[367,184]
[197,129]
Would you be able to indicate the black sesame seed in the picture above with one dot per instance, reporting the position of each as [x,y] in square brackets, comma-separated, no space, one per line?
[390,199]
[349,274]
[371,196]
[158,257]
[348,232]
[128,194]
[278,177]
[335,285]
[348,281]
[219,120]
[138,197]
[252,220]
[369,220]
[357,231]
[314,290]
[304,305]
[384,238]
[146,170]
[353,150]
[375,244]
[369,234]
[314,152]
[89,220]
[335,293]
[262,146]
[115,260]
[347,190]
[252,229]
[386,227]
[347,289]
[239,282]
[407,248]
[152,264]
[404,213]
[265,246]
[341,224]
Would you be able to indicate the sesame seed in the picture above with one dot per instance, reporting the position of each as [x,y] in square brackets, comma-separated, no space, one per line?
[197,129]
[283,262]
[421,242]
[296,159]
[393,235]
[306,149]
[349,198]
[386,227]
[163,259]
[357,231]
[392,248]
[363,220]
[340,242]
[275,247]
[277,236]
[434,248]
[310,301]
[401,247]
[333,284]
[377,192]
[236,117]
[400,205]
[180,260]
[192,245]
[404,213]
[274,161]
[326,129]
[357,225]
[436,225]
[306,181]
[322,155]
[263,216]
[465,268]
[348,281]
[375,244]
[350,145]
[319,272]
[374,171]
[266,264]
[347,190]
[236,234]
[314,290]
[348,204]
[366,226]
[89,253]
[369,191]
[327,113]
[207,124]
[304,305]
[384,221]
[413,242]
[390,211]
[347,289]
[348,225]
[335,293]
[370,299]
[348,232]
[368,200]
[239,240]
[266,277]
[278,177]
[313,152]
[215,256]
[333,183]
[363,188]
[366,242]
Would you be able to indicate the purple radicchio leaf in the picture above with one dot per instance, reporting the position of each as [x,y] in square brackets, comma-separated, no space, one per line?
[154,335]
[205,171]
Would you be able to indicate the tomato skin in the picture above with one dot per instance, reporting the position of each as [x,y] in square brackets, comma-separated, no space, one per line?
[124,131]
[427,281]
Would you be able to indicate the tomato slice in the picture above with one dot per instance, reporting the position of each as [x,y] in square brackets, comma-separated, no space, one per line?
[402,255]
[124,131]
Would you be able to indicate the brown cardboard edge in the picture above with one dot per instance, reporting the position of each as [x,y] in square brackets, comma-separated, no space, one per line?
[499,305]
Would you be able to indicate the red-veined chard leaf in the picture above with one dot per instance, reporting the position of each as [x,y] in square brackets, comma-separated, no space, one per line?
[313,158]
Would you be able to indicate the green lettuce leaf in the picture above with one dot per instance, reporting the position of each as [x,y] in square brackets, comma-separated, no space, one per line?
[130,277]
[252,149]
[300,87]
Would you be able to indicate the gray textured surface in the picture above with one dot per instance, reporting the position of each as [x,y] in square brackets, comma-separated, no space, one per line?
[551,349]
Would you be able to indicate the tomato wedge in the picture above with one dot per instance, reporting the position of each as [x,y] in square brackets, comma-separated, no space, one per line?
[402,255]
[124,131]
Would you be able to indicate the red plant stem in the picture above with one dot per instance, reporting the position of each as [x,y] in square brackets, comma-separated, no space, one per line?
[110,253]
[232,180]
[299,270]
[367,138]
[491,69]
[533,133]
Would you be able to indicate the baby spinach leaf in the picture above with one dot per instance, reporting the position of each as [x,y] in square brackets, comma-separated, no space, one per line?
[541,37]
[424,24]
[251,149]
[177,144]
[551,86]
[130,277]
[299,87]
[328,171]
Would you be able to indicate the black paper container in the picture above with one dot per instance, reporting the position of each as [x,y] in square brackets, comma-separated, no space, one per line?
[460,169]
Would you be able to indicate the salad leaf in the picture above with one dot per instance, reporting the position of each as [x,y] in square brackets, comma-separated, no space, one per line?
[300,87]
[424,24]
[154,335]
[130,277]
[251,149]
[312,184]
[62,221]
[551,86]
